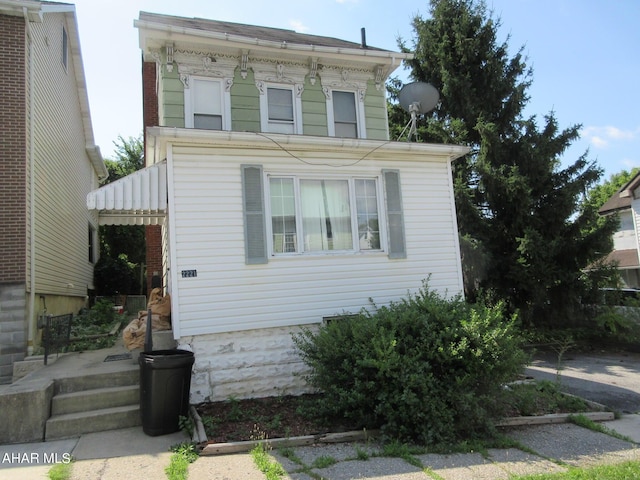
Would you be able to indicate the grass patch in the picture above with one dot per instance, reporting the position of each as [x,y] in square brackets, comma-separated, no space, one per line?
[323,462]
[271,469]
[60,471]
[622,471]
[403,451]
[585,422]
[183,455]
[539,398]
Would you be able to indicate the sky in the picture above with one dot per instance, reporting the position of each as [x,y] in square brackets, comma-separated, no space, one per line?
[584,56]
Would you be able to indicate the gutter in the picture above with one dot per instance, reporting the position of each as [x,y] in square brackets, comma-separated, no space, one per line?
[172,31]
[32,193]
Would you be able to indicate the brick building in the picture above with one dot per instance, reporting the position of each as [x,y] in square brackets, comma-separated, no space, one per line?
[48,163]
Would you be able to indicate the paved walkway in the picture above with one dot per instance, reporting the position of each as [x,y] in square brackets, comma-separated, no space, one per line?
[129,454]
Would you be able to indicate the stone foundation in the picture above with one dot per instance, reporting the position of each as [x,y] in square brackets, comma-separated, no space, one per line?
[13,329]
[246,364]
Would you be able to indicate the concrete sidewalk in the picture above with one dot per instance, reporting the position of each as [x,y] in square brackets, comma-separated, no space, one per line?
[130,454]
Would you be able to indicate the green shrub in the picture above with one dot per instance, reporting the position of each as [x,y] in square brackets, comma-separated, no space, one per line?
[87,327]
[425,369]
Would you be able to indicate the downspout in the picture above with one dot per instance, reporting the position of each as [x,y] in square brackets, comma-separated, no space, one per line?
[32,196]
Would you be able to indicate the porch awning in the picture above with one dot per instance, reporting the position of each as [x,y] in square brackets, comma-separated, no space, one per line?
[137,199]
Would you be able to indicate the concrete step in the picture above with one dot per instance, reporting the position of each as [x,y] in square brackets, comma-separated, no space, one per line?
[95,399]
[75,424]
[124,375]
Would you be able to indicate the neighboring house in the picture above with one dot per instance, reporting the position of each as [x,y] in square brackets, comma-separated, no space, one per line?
[279,199]
[48,164]
[626,204]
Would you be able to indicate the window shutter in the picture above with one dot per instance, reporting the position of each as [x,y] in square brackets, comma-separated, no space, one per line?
[395,215]
[255,240]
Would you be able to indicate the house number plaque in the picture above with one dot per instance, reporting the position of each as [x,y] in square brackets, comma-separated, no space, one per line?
[189,273]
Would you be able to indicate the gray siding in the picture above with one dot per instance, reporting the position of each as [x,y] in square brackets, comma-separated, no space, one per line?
[63,172]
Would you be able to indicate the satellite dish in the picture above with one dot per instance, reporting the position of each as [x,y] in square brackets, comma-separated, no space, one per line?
[418,98]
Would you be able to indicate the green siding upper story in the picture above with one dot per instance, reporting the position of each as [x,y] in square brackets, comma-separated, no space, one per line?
[245,106]
[171,100]
[314,110]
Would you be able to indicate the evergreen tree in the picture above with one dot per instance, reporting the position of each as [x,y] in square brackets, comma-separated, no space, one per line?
[525,233]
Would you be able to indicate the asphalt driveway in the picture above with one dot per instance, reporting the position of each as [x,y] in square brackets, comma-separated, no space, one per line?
[612,379]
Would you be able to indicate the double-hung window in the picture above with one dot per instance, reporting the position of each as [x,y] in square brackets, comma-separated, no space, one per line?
[345,115]
[205,104]
[280,110]
[310,215]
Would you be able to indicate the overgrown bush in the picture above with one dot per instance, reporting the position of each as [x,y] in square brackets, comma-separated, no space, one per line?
[425,369]
[88,326]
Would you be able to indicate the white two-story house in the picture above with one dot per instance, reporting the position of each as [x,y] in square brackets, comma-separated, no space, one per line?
[273,195]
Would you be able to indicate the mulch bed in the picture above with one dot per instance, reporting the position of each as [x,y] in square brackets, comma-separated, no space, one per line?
[256,418]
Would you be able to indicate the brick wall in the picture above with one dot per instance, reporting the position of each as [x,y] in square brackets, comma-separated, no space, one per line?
[153,233]
[13,150]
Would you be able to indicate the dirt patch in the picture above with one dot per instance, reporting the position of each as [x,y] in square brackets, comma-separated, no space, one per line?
[292,416]
[272,417]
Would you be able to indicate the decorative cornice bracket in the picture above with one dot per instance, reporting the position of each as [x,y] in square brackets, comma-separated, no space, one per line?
[313,70]
[244,59]
[169,52]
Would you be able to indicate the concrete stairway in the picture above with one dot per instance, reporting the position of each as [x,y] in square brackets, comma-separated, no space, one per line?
[95,402]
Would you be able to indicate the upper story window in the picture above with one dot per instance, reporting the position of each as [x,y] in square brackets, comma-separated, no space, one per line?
[207,104]
[310,215]
[280,109]
[65,48]
[345,115]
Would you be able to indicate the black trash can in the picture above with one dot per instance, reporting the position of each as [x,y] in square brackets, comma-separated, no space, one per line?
[165,384]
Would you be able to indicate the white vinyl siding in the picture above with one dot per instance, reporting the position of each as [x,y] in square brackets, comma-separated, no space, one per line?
[229,295]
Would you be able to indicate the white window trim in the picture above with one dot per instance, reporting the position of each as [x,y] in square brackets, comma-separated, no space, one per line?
[355,250]
[360,116]
[225,101]
[264,106]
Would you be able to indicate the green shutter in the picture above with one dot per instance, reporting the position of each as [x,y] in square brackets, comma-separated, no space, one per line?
[255,238]
[395,215]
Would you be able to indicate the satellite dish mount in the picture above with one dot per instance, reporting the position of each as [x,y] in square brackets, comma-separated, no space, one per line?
[417,98]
